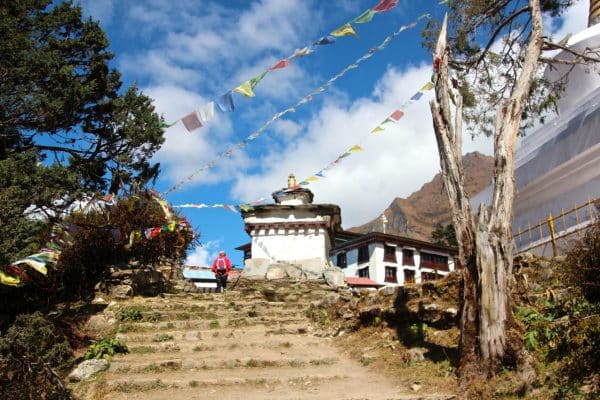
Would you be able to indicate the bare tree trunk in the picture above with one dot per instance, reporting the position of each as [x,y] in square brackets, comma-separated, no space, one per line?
[485,246]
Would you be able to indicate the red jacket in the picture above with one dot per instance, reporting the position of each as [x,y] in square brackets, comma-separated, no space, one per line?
[227,264]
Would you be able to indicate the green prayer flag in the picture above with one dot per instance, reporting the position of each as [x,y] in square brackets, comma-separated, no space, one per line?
[367,16]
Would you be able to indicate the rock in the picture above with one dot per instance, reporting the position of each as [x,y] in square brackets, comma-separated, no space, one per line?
[451,312]
[431,307]
[87,368]
[415,387]
[191,336]
[348,315]
[121,292]
[330,300]
[294,272]
[388,291]
[188,364]
[148,282]
[275,272]
[416,354]
[100,324]
[255,267]
[269,293]
[121,274]
[353,305]
[367,358]
[334,277]
[189,287]
[98,300]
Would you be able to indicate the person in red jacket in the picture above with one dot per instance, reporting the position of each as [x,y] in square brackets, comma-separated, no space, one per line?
[221,268]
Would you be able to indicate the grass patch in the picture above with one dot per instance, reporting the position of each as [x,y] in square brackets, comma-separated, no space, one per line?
[162,337]
[143,349]
[214,324]
[193,384]
[324,361]
[137,387]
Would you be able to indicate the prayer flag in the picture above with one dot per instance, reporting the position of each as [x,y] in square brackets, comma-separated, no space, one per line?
[320,173]
[325,40]
[245,89]
[367,16]
[396,115]
[246,207]
[385,5]
[191,121]
[225,102]
[427,86]
[165,124]
[9,280]
[344,30]
[417,96]
[387,120]
[346,154]
[280,64]
[303,52]
[252,136]
[377,129]
[312,178]
[356,148]
[207,112]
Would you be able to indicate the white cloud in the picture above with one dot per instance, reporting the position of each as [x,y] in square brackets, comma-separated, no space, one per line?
[204,255]
[573,21]
[395,162]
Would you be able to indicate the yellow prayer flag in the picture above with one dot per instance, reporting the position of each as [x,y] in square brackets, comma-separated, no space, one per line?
[245,89]
[356,148]
[377,129]
[344,30]
[428,86]
[312,178]
[9,280]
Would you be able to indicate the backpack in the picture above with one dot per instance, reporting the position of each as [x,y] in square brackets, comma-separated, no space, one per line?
[221,265]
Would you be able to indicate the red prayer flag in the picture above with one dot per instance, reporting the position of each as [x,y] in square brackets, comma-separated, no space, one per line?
[280,64]
[191,121]
[385,5]
[396,115]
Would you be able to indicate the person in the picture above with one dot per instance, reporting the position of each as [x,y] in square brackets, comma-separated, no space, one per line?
[221,268]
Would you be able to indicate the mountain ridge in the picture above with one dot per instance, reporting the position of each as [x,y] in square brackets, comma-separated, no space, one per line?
[417,215]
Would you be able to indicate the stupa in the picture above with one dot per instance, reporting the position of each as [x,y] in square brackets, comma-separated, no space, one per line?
[292,231]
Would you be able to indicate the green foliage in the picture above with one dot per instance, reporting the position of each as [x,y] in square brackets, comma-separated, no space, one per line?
[130,314]
[29,352]
[105,348]
[582,264]
[444,235]
[488,76]
[162,337]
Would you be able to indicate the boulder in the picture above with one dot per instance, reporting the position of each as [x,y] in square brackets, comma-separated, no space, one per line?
[416,354]
[275,272]
[312,268]
[189,287]
[101,324]
[388,291]
[148,282]
[121,292]
[334,277]
[256,267]
[88,368]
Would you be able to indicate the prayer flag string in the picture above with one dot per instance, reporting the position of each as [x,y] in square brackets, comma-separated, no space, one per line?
[195,120]
[301,102]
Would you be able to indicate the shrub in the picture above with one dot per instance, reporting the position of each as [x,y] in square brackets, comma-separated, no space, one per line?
[582,264]
[105,348]
[31,352]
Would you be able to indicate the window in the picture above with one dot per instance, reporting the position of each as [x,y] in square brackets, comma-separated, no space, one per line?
[363,254]
[434,261]
[390,275]
[408,257]
[363,273]
[428,276]
[341,260]
[409,276]
[389,253]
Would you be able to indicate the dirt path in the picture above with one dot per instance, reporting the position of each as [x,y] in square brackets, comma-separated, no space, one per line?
[232,346]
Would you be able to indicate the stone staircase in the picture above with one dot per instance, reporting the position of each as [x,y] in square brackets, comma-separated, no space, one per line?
[236,345]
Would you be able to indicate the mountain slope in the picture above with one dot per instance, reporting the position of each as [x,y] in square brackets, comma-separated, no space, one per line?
[417,215]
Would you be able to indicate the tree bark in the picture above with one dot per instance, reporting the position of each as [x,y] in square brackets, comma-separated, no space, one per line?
[485,245]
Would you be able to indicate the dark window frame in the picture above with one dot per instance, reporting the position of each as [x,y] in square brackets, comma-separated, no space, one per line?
[363,272]
[434,261]
[408,257]
[410,272]
[342,260]
[363,254]
[391,274]
[389,253]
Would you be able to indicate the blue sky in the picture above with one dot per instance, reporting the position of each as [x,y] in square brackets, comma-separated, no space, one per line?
[186,53]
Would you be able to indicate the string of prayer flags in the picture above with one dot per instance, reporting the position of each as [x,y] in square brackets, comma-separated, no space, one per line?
[207,112]
[277,116]
[396,115]
[193,121]
[417,96]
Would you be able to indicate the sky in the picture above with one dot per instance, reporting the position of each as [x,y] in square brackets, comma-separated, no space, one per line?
[186,53]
